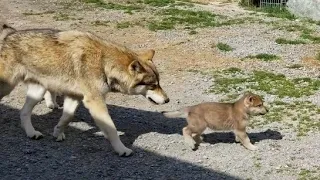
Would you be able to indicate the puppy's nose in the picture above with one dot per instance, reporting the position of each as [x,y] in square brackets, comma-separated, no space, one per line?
[167,100]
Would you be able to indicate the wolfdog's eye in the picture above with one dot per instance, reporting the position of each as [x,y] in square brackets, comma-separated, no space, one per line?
[152,86]
[260,105]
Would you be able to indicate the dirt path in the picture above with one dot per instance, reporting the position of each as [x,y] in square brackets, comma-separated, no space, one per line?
[184,60]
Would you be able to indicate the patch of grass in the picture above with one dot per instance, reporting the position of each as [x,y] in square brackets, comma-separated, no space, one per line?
[123,25]
[235,80]
[295,66]
[264,57]
[192,32]
[31,13]
[128,8]
[61,17]
[293,27]
[301,116]
[173,17]
[318,56]
[171,3]
[286,41]
[306,174]
[309,36]
[224,47]
[159,3]
[278,13]
[100,23]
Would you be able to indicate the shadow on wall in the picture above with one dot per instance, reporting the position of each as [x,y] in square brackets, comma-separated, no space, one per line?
[86,156]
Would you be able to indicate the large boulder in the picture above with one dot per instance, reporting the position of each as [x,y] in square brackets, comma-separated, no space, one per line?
[305,8]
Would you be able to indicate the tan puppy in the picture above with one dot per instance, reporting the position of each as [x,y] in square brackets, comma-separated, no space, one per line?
[220,116]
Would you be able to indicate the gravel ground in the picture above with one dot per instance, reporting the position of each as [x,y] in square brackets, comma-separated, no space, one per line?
[157,142]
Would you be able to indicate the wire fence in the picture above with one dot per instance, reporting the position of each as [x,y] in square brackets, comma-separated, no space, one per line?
[265,3]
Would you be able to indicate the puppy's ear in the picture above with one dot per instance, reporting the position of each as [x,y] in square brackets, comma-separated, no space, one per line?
[135,67]
[147,55]
[249,100]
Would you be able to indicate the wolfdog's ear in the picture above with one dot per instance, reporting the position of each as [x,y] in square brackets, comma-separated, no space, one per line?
[136,67]
[147,55]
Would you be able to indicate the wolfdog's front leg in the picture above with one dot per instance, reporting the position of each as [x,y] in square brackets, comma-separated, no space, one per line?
[35,94]
[99,112]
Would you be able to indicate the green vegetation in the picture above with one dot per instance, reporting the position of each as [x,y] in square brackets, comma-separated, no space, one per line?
[233,79]
[61,17]
[31,13]
[171,3]
[263,56]
[306,174]
[278,13]
[128,8]
[307,35]
[123,25]
[188,18]
[100,23]
[295,66]
[224,47]
[318,56]
[286,41]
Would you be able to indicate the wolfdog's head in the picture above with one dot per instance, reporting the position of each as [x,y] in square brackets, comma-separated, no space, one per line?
[146,80]
[140,77]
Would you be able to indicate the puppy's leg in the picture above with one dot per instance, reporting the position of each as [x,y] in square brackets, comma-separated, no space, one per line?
[5,89]
[98,110]
[244,139]
[237,138]
[196,126]
[70,106]
[35,94]
[187,134]
[198,138]
[50,99]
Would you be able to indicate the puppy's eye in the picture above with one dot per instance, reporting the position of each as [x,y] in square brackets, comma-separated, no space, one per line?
[260,105]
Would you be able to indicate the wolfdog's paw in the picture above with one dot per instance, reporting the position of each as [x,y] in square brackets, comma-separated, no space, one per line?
[35,135]
[58,134]
[52,105]
[124,151]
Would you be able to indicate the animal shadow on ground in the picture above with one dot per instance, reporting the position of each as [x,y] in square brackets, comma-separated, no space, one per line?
[84,155]
[228,137]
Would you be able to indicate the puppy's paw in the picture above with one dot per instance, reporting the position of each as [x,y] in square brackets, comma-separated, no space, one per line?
[253,148]
[191,143]
[237,139]
[35,135]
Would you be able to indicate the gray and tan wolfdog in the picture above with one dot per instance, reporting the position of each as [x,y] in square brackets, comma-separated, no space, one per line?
[80,66]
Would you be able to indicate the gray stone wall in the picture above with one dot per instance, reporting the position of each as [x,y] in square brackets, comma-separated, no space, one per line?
[305,8]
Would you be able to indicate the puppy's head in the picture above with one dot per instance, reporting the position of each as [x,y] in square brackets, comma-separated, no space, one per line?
[254,104]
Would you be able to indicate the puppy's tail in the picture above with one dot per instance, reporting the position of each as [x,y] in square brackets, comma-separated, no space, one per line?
[181,113]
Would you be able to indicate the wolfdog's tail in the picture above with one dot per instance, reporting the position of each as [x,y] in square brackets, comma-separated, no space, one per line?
[181,113]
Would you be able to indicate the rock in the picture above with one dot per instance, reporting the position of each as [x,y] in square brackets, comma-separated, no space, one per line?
[305,8]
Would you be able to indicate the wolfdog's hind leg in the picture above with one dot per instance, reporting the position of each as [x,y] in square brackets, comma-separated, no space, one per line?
[69,107]
[35,94]
[51,100]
